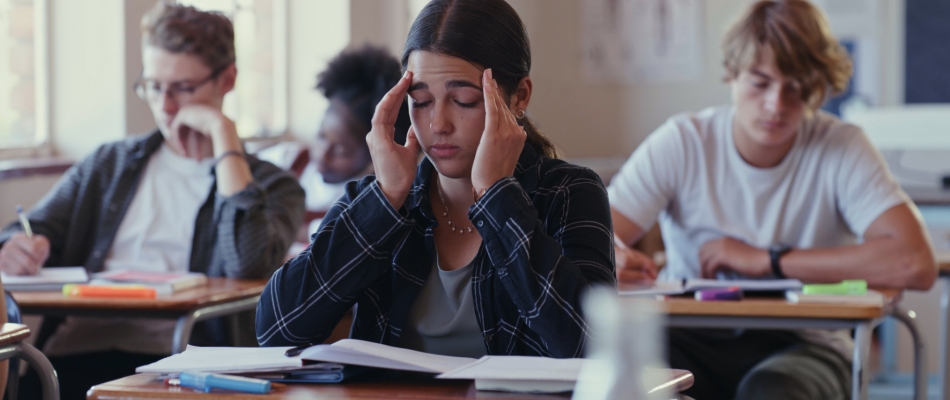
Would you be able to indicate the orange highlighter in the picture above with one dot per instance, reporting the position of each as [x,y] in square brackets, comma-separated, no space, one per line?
[113,291]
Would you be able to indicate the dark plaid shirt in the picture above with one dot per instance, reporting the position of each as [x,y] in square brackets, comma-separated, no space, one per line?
[546,235]
[245,235]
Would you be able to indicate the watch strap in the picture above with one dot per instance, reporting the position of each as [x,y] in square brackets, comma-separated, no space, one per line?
[775,255]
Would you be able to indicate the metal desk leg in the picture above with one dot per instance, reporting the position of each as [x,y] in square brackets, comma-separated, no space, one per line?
[942,389]
[860,364]
[45,370]
[920,357]
[187,322]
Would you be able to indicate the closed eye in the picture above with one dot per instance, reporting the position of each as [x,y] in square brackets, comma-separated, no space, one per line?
[417,104]
[467,105]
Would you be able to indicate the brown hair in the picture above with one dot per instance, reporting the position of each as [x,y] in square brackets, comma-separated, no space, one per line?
[801,43]
[185,29]
[487,33]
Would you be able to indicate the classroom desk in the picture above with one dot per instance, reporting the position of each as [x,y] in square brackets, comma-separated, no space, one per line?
[943,389]
[220,297]
[776,313]
[11,345]
[379,386]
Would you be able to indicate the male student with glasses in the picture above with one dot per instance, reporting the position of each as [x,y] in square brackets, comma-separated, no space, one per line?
[184,197]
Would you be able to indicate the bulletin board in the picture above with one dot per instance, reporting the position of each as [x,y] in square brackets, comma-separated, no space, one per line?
[927,68]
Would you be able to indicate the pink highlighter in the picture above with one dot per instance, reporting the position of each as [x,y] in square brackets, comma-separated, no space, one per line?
[730,294]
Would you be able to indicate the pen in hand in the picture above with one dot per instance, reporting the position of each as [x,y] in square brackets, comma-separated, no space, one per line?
[25,223]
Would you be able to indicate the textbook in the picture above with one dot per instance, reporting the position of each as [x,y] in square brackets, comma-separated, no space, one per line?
[51,278]
[542,374]
[520,373]
[692,285]
[329,363]
[164,283]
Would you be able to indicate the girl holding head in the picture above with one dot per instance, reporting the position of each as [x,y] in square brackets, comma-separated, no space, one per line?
[486,246]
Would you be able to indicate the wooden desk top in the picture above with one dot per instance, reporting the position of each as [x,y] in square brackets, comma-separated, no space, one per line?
[13,333]
[382,386]
[218,290]
[778,307]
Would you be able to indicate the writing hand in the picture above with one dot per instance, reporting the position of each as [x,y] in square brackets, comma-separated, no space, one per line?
[634,267]
[24,255]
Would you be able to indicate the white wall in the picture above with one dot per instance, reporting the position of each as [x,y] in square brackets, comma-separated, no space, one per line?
[86,74]
[318,31]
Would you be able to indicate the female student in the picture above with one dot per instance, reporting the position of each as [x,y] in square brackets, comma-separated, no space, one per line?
[354,82]
[486,246]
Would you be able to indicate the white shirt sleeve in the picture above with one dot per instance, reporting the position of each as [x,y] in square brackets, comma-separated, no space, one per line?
[865,188]
[647,182]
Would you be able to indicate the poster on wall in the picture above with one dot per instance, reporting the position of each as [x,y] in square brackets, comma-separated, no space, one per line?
[642,41]
[857,25]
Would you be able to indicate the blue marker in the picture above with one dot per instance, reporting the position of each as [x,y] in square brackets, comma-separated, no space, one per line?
[206,381]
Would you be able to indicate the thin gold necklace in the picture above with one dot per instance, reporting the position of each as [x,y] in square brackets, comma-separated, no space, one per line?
[446,214]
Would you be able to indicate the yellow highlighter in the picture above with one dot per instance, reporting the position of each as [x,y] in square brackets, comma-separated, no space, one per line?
[850,287]
[109,291]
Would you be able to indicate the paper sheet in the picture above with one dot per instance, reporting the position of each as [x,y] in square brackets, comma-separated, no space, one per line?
[359,352]
[47,276]
[225,359]
[519,368]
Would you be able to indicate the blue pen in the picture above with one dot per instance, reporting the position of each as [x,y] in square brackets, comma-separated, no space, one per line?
[206,381]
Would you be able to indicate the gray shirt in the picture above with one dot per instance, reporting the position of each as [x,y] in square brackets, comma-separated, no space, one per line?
[442,319]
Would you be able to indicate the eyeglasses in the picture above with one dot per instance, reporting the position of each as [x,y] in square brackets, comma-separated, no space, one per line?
[152,90]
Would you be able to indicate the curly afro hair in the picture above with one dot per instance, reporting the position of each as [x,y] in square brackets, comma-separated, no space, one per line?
[359,79]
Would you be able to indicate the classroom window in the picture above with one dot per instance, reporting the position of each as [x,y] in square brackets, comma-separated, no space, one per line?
[258,103]
[22,75]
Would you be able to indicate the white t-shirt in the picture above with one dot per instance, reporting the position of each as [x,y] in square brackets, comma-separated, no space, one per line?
[689,175]
[155,235]
[320,195]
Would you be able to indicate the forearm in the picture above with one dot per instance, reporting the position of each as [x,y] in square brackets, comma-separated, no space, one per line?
[232,172]
[545,274]
[306,298]
[259,223]
[882,262]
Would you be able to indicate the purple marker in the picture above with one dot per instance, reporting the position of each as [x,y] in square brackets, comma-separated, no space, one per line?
[732,293]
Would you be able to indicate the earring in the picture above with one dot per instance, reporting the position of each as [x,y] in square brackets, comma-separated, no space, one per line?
[519,114]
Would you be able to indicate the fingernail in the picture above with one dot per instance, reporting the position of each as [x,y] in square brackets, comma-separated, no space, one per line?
[405,74]
[490,76]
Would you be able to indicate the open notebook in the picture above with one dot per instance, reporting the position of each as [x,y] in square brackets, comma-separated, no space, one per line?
[692,285]
[49,278]
[508,373]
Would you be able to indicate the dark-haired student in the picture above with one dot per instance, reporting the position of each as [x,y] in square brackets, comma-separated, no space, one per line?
[485,247]
[354,83]
[184,197]
[767,187]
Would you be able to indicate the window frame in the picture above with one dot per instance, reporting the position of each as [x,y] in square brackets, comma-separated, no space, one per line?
[41,88]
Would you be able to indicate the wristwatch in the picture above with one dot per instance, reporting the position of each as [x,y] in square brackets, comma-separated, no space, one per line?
[775,254]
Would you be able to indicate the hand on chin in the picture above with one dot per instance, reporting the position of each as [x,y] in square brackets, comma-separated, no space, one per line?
[192,144]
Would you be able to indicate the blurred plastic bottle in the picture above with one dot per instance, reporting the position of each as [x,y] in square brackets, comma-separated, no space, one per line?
[626,348]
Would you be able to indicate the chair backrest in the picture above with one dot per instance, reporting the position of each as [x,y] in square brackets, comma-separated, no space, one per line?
[13,310]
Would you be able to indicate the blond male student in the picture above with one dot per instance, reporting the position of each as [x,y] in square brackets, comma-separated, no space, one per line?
[184,197]
[770,187]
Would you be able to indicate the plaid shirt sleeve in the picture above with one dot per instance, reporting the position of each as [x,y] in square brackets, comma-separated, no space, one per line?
[306,297]
[546,261]
[257,225]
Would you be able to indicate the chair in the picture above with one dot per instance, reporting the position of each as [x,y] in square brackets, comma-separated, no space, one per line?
[13,372]
[33,356]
